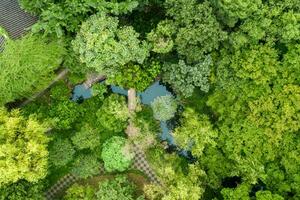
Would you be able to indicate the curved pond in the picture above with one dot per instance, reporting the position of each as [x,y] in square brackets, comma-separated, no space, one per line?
[80,93]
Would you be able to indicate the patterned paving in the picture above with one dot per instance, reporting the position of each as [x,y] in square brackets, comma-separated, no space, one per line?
[141,163]
[14,19]
[64,183]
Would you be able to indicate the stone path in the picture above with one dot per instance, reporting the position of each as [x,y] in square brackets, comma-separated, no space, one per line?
[60,186]
[141,164]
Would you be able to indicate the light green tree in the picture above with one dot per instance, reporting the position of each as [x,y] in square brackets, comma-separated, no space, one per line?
[23,148]
[195,132]
[116,154]
[80,192]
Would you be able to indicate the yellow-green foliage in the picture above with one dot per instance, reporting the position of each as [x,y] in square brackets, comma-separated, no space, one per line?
[23,148]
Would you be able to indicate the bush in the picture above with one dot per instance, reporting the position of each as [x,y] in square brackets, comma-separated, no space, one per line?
[61,152]
[115,154]
[86,166]
[164,107]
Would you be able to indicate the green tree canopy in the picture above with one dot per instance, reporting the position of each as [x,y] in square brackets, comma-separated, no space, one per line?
[104,46]
[86,166]
[87,138]
[27,66]
[61,152]
[118,188]
[116,154]
[192,30]
[184,78]
[65,16]
[113,114]
[164,107]
[22,190]
[23,148]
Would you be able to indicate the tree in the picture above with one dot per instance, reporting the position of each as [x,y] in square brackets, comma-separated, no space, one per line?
[135,76]
[87,138]
[164,107]
[22,190]
[64,17]
[113,114]
[267,195]
[80,192]
[104,46]
[184,78]
[239,193]
[177,186]
[233,10]
[192,30]
[86,166]
[116,154]
[118,188]
[27,66]
[64,113]
[23,148]
[195,132]
[61,152]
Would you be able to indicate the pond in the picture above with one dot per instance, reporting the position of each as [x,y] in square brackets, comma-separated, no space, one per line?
[80,93]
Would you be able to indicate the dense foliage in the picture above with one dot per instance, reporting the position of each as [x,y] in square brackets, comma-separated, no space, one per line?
[233,69]
[113,114]
[104,46]
[116,154]
[164,107]
[27,66]
[23,148]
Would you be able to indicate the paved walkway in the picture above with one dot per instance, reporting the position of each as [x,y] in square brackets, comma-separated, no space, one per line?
[14,19]
[141,164]
[63,184]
